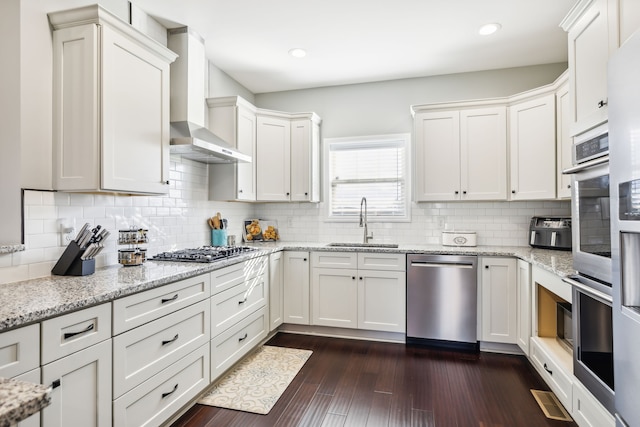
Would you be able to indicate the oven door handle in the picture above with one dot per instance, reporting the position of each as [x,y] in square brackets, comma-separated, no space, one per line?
[586,165]
[588,290]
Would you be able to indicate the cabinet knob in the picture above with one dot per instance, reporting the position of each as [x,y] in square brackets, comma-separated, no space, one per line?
[360,277]
[240,191]
[568,185]
[456,192]
[513,191]
[353,277]
[306,194]
[166,182]
[464,192]
[486,266]
[304,259]
[602,103]
[288,194]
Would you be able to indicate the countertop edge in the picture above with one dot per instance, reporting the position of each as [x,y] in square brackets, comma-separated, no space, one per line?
[20,399]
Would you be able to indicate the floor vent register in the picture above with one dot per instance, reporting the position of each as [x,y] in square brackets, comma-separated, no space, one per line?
[551,407]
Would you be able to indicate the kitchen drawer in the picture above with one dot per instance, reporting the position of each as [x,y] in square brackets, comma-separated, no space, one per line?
[235,274]
[587,410]
[229,347]
[19,351]
[557,379]
[334,259]
[75,331]
[138,309]
[381,261]
[229,306]
[157,399]
[32,376]
[142,352]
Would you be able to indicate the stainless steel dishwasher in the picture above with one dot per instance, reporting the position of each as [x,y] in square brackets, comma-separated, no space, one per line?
[442,300]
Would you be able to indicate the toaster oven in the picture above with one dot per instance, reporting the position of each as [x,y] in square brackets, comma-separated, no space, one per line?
[550,233]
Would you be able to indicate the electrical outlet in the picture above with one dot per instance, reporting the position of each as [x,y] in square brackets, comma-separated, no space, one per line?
[67,232]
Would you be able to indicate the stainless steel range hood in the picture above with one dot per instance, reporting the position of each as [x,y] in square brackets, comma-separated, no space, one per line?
[189,137]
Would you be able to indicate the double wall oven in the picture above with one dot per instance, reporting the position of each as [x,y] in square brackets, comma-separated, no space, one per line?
[591,287]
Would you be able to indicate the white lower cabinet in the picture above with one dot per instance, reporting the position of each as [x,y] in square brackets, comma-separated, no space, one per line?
[359,290]
[587,411]
[229,347]
[296,287]
[157,399]
[499,301]
[555,372]
[276,290]
[81,394]
[523,294]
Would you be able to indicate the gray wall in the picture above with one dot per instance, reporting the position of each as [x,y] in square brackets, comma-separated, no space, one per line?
[383,107]
[221,84]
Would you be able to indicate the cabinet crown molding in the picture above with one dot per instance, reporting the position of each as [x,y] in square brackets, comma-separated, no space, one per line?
[574,14]
[98,15]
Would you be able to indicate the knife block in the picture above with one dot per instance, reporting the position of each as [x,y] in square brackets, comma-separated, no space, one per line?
[70,263]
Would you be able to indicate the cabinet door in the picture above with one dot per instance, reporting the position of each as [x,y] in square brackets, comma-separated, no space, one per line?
[135,117]
[564,141]
[273,159]
[246,143]
[301,167]
[296,287]
[81,394]
[276,290]
[381,300]
[523,294]
[624,20]
[334,296]
[533,149]
[499,300]
[437,149]
[588,56]
[32,377]
[483,154]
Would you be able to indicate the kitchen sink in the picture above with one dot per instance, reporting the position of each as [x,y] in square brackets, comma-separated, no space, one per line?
[363,245]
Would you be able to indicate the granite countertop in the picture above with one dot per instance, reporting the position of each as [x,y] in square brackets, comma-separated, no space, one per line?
[38,299]
[19,400]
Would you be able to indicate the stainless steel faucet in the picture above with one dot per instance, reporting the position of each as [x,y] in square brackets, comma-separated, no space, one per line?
[363,221]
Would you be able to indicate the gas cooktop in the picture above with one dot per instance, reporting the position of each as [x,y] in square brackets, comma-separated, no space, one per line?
[203,254]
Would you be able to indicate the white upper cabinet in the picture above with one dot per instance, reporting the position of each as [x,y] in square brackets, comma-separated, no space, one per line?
[624,20]
[564,141]
[587,25]
[461,154]
[287,154]
[111,105]
[234,120]
[532,145]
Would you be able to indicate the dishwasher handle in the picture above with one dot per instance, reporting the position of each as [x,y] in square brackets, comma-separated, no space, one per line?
[417,263]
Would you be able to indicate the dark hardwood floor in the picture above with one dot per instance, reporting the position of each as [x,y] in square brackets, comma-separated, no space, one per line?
[364,383]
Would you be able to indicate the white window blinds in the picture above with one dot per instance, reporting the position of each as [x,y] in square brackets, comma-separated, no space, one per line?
[371,167]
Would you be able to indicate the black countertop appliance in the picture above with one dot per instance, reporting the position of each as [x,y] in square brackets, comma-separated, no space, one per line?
[549,232]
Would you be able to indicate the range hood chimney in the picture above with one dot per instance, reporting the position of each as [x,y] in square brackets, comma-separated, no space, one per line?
[189,137]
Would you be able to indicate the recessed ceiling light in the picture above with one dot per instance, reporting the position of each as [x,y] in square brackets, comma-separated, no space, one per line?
[487,29]
[298,52]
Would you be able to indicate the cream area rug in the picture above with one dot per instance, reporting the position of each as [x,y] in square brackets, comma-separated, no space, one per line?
[257,383]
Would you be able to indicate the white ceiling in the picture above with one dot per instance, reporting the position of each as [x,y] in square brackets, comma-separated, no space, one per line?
[357,41]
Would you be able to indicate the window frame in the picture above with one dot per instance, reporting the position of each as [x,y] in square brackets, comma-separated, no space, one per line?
[326,144]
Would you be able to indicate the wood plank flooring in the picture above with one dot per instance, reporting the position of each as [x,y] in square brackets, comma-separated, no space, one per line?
[364,383]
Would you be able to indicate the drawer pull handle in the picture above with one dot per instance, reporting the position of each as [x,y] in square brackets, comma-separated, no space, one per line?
[243,338]
[243,301]
[166,300]
[170,341]
[55,384]
[73,334]
[547,369]
[169,393]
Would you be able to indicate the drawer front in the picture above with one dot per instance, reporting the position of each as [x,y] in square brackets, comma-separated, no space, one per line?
[381,261]
[19,351]
[156,400]
[229,347]
[229,306]
[334,259]
[144,351]
[71,332]
[235,274]
[587,410]
[138,309]
[559,382]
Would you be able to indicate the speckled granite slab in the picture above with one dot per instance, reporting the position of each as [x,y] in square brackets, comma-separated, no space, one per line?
[20,400]
[9,249]
[34,300]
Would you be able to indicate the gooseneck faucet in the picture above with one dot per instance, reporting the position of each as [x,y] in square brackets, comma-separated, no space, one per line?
[363,220]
